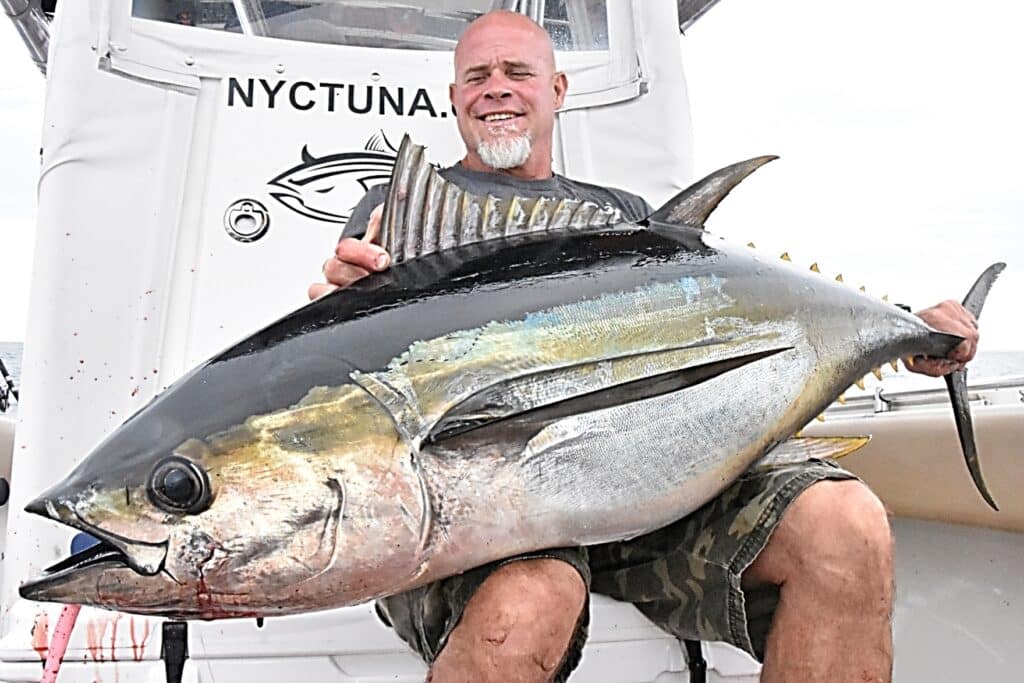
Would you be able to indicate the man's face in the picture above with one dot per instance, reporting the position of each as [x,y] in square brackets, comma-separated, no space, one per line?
[505,84]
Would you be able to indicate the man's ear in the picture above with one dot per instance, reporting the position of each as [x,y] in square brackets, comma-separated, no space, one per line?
[561,86]
[451,93]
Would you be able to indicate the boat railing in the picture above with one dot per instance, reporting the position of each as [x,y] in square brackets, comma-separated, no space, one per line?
[1001,391]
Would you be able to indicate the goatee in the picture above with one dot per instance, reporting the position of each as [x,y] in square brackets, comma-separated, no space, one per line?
[504,152]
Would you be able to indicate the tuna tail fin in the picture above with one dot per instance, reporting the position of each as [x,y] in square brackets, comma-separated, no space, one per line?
[975,298]
[956,383]
[693,205]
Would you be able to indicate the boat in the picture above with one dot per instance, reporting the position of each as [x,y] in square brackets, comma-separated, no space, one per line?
[200,158]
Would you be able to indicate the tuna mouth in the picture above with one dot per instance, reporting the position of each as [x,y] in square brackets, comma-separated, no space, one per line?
[142,557]
[69,570]
[101,553]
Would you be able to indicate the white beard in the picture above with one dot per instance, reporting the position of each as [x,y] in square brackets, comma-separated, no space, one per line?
[503,153]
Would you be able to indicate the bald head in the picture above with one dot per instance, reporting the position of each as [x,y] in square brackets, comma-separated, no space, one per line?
[506,23]
[505,95]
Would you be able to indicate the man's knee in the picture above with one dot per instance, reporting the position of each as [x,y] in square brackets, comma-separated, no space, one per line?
[835,533]
[517,626]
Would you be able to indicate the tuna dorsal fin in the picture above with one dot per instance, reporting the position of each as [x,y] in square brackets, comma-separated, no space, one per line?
[693,205]
[424,213]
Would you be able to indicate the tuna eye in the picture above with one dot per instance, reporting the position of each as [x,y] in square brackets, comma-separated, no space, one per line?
[179,485]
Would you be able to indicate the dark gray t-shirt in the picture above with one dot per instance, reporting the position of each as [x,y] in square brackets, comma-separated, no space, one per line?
[633,208]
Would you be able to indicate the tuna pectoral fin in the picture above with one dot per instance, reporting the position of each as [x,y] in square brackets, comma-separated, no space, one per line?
[527,423]
[693,205]
[956,383]
[802,448]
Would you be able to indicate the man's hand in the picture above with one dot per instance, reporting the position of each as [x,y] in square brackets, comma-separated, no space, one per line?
[353,259]
[951,317]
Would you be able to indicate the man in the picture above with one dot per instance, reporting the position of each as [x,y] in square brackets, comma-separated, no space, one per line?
[792,564]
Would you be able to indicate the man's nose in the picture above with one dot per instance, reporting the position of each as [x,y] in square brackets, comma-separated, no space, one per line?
[497,88]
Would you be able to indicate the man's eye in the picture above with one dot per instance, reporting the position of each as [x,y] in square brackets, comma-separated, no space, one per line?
[520,74]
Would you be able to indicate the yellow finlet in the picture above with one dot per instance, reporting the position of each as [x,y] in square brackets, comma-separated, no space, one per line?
[839,278]
[751,245]
[841,399]
[860,384]
[785,256]
[820,418]
[885,298]
[877,372]
[909,361]
[814,267]
[863,289]
[894,365]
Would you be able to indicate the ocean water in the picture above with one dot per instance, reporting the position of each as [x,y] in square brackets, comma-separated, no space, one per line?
[986,367]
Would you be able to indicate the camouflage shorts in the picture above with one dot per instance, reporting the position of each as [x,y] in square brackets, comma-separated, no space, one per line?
[684,577]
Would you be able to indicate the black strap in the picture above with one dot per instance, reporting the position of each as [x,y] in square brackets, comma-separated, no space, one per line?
[174,649]
[695,661]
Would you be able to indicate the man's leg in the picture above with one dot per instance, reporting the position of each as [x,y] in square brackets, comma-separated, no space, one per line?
[522,619]
[831,557]
[517,627]
[711,576]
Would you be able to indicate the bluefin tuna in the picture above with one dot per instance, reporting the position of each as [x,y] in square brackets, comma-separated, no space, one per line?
[530,373]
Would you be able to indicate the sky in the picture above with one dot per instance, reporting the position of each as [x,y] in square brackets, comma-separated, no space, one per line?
[898,124]
[899,127]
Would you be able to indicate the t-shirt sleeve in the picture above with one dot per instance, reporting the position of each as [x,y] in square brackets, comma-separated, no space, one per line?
[360,218]
[634,207]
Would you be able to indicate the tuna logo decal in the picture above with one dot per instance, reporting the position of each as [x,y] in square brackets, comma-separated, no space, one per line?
[328,188]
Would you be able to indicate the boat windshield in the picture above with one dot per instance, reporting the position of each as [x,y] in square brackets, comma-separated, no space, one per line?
[574,25]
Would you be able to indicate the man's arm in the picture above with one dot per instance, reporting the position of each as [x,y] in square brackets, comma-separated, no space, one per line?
[355,257]
[359,221]
[952,317]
